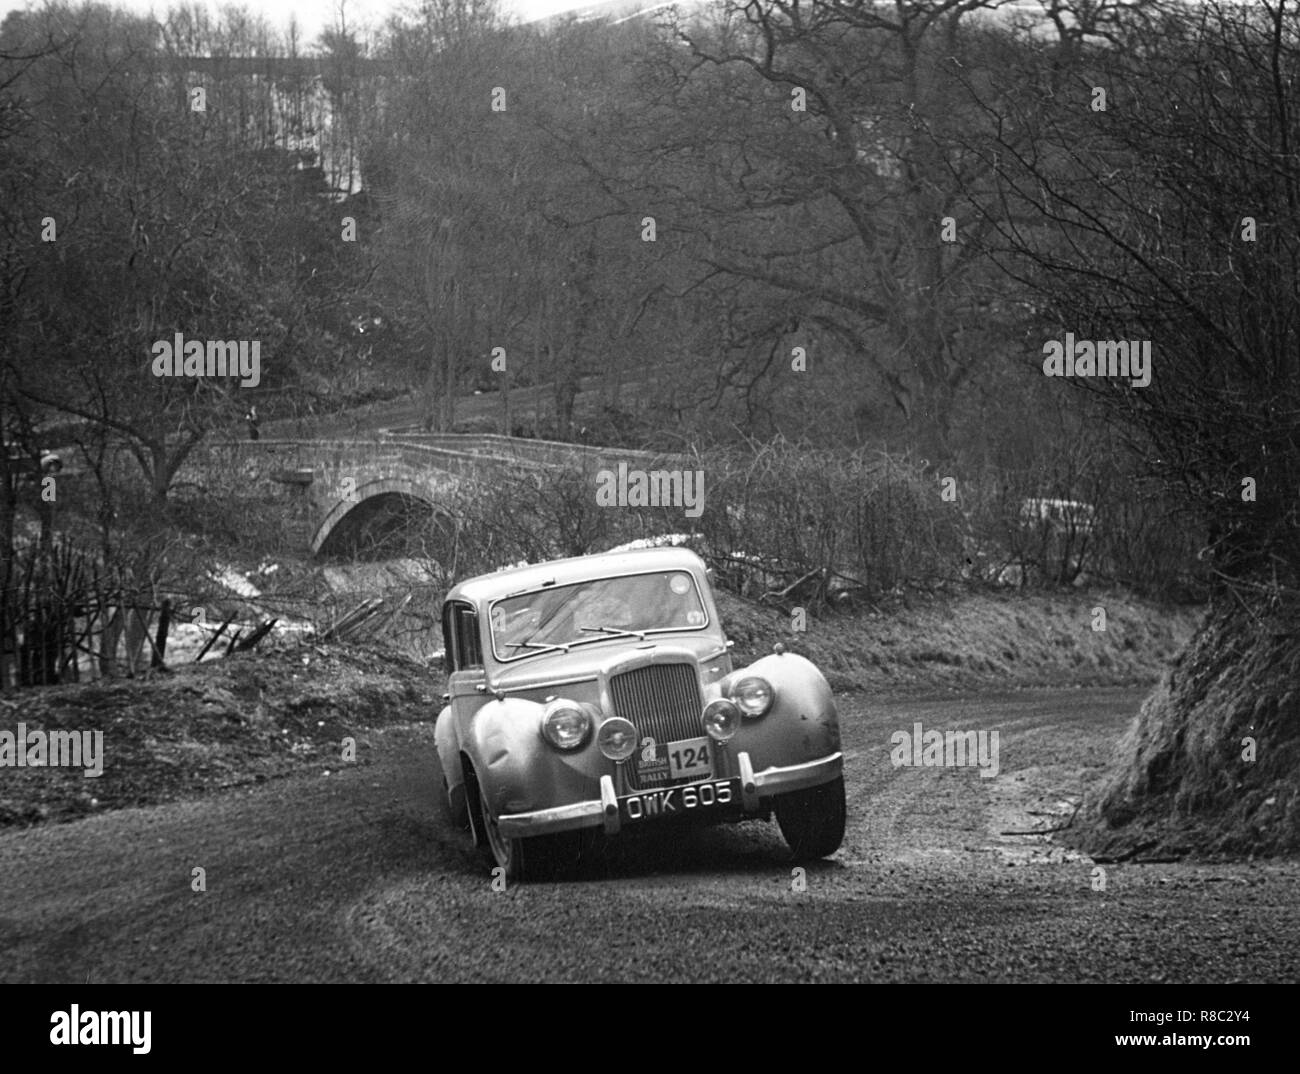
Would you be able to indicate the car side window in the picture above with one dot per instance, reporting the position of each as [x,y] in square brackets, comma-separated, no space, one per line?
[448,640]
[468,649]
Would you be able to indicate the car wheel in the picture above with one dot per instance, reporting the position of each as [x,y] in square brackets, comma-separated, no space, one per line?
[812,821]
[457,812]
[506,852]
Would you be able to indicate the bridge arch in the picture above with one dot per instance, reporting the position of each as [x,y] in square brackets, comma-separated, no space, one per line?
[379,508]
[330,487]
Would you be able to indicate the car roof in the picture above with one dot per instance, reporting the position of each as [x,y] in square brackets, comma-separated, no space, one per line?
[487,587]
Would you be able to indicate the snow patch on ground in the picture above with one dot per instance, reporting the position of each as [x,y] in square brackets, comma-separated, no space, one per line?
[234,581]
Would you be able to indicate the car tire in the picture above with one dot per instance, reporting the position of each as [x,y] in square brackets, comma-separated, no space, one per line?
[457,813]
[506,853]
[813,820]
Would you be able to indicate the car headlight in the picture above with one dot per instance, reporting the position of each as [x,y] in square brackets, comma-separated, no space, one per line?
[565,725]
[753,694]
[616,738]
[721,719]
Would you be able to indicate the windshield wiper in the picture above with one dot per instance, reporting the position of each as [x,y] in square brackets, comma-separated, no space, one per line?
[616,631]
[545,647]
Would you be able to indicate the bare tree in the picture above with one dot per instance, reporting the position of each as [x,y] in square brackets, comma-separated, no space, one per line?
[1154,197]
[834,187]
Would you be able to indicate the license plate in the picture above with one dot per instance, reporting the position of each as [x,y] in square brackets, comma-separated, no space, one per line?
[680,801]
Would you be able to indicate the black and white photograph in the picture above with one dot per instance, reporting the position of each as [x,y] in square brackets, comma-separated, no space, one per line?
[706,492]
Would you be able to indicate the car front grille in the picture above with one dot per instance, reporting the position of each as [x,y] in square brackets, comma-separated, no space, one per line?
[662,701]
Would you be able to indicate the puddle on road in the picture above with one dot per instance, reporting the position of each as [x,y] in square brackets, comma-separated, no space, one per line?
[1023,819]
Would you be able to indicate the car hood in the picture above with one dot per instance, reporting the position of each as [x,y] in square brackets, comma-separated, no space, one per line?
[599,659]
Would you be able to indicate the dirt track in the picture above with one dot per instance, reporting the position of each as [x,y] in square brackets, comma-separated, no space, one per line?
[357,876]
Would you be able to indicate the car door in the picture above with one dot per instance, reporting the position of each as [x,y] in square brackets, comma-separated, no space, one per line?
[465,679]
[463,661]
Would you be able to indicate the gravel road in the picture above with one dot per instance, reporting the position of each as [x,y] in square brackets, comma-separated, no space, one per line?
[357,876]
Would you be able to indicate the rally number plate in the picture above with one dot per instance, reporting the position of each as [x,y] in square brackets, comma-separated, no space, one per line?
[666,762]
[690,758]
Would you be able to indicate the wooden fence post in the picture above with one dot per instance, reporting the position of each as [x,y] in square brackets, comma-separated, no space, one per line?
[160,646]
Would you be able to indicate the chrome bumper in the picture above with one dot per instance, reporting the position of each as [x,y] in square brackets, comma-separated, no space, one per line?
[604,811]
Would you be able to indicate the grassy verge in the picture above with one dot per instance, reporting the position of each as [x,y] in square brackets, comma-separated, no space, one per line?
[209,727]
[978,641]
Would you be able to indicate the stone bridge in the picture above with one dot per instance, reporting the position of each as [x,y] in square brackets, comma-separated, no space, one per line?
[351,494]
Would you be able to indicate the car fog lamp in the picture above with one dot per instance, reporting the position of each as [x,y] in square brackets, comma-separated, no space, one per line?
[721,719]
[617,739]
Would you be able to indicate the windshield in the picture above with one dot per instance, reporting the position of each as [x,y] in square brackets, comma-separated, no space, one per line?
[626,606]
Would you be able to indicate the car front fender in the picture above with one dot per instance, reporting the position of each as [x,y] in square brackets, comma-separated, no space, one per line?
[803,722]
[453,774]
[516,770]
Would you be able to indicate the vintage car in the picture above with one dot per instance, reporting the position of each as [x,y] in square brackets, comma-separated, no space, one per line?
[591,696]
